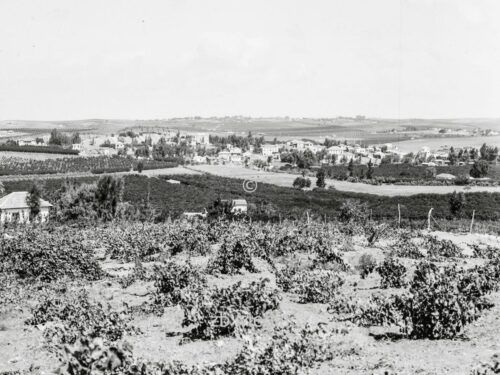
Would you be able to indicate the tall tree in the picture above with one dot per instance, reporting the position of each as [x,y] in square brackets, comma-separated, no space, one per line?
[479,169]
[369,172]
[320,179]
[108,195]
[457,203]
[33,201]
[350,167]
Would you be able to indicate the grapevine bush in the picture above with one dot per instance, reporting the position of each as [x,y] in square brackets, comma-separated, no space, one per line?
[72,316]
[232,257]
[392,273]
[226,311]
[172,279]
[36,254]
[311,286]
[292,350]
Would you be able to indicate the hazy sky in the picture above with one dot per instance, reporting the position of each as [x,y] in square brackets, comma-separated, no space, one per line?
[74,59]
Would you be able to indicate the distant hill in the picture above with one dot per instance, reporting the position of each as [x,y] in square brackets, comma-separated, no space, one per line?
[374,130]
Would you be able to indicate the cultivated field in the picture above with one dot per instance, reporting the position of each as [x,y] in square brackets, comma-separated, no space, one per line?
[286,179]
[328,299]
[34,155]
[416,145]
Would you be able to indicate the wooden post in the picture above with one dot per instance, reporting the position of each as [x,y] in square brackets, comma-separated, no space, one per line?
[472,221]
[429,219]
[399,215]
[307,212]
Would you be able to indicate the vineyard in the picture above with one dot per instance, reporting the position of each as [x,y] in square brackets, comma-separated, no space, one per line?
[19,166]
[233,297]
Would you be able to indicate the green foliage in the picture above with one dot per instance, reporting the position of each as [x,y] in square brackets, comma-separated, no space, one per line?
[36,254]
[226,311]
[191,240]
[353,211]
[320,179]
[232,257]
[457,203]
[301,183]
[479,169]
[442,301]
[291,351]
[392,273]
[485,251]
[311,286]
[108,194]
[172,279]
[33,201]
[437,248]
[366,265]
[488,368]
[72,316]
[405,248]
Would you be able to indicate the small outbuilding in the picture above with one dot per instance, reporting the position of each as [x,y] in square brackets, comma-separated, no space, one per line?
[239,206]
[445,176]
[15,209]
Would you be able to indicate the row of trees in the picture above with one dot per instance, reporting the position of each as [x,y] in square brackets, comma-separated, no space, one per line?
[58,138]
[486,153]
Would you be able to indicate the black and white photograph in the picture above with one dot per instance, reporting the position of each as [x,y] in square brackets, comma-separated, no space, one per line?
[249,187]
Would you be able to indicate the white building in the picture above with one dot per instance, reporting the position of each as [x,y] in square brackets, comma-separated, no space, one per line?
[15,209]
[199,159]
[335,150]
[239,206]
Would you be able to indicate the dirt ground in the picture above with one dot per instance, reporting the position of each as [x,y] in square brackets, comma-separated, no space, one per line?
[361,351]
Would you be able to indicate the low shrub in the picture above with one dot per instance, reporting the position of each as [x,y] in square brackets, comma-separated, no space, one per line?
[67,317]
[35,254]
[442,301]
[171,279]
[227,311]
[292,350]
[392,273]
[327,257]
[488,368]
[191,241]
[485,251]
[405,248]
[437,248]
[366,265]
[311,286]
[232,257]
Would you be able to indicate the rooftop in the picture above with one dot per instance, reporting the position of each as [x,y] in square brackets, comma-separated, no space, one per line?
[17,199]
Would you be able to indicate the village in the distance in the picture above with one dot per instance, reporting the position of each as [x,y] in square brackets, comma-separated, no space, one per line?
[253,187]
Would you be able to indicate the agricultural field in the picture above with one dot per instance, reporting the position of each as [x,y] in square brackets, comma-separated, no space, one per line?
[286,179]
[416,145]
[4,155]
[13,166]
[231,297]
[270,202]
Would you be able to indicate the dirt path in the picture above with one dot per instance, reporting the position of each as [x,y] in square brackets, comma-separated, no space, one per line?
[286,179]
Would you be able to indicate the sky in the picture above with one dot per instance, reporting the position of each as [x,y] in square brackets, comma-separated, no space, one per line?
[151,59]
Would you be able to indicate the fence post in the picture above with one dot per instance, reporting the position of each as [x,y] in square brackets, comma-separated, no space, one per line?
[472,221]
[399,215]
[429,219]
